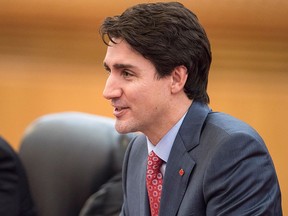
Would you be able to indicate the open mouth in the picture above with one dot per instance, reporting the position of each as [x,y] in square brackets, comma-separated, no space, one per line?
[119,111]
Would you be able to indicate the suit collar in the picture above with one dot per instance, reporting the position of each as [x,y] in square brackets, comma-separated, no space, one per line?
[192,125]
[175,181]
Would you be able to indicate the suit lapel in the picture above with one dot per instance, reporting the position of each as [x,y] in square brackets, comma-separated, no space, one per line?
[144,204]
[175,182]
[139,181]
[180,164]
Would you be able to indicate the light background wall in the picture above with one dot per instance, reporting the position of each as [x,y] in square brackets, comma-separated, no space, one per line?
[51,61]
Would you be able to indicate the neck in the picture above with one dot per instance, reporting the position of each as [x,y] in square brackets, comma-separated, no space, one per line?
[170,119]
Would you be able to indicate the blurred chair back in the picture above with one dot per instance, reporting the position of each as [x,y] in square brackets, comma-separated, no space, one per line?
[68,156]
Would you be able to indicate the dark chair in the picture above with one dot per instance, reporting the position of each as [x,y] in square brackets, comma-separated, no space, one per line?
[68,157]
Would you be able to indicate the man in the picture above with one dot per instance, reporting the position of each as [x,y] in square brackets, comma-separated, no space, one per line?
[15,198]
[158,59]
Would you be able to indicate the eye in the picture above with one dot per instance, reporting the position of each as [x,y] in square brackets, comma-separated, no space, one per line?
[107,69]
[126,73]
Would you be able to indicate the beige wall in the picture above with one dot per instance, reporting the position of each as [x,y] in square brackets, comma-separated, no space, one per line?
[51,56]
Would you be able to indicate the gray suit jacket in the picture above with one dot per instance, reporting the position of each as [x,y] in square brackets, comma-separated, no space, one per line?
[227,170]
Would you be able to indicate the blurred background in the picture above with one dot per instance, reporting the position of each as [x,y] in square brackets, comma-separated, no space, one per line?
[51,61]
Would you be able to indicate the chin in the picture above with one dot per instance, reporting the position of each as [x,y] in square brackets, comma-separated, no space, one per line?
[121,127]
[124,127]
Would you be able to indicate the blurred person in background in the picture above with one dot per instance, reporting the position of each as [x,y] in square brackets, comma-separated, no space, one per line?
[15,197]
[189,160]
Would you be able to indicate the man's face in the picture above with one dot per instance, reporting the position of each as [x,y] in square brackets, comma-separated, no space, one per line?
[140,100]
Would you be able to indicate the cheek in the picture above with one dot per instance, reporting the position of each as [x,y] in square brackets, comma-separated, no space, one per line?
[154,98]
[149,95]
[142,101]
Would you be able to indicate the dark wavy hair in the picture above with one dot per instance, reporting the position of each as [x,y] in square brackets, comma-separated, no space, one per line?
[169,35]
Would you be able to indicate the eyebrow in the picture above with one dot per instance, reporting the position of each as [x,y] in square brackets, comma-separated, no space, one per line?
[119,66]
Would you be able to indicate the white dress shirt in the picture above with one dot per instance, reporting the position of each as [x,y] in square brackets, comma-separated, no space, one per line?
[164,146]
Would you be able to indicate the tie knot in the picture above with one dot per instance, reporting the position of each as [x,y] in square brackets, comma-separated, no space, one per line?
[154,162]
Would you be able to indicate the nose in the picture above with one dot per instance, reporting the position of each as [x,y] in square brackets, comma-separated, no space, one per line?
[112,88]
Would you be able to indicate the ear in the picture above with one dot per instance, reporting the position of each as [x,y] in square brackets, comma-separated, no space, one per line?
[178,78]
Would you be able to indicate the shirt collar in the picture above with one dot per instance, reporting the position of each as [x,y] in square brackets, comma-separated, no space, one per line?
[164,146]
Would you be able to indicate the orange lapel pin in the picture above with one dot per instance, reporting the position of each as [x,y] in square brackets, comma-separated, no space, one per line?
[181,172]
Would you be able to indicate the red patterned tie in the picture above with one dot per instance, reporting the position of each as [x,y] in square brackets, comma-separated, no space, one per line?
[154,181]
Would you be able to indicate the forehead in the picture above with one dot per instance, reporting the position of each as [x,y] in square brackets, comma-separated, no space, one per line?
[121,53]
[120,50]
